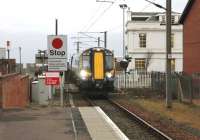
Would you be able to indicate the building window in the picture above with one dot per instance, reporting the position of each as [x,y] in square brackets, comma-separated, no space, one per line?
[140,65]
[172,40]
[173,65]
[173,19]
[163,19]
[142,37]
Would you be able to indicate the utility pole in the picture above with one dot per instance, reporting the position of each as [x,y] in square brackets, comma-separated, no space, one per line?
[123,7]
[78,47]
[105,39]
[20,60]
[98,41]
[168,55]
[168,10]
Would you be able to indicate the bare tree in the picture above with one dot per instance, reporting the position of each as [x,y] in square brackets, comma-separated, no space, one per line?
[149,55]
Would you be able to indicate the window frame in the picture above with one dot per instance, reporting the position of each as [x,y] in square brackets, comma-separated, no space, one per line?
[140,64]
[142,40]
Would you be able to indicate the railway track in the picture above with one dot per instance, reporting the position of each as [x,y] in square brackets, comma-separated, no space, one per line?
[132,125]
[143,122]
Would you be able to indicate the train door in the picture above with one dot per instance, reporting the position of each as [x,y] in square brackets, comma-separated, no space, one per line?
[98,65]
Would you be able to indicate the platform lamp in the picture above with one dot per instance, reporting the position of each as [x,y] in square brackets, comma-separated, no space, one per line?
[123,6]
[8,50]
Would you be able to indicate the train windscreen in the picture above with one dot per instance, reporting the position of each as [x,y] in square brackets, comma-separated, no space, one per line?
[86,62]
[109,62]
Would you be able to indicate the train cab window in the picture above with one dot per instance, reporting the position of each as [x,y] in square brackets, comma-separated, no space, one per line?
[86,62]
[109,62]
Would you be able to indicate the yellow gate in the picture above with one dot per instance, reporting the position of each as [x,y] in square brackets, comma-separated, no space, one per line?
[98,66]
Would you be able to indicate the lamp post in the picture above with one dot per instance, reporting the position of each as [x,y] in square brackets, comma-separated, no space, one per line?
[8,49]
[123,6]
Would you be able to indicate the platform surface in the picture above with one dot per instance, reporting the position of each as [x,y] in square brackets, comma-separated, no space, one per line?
[99,125]
[36,124]
[51,123]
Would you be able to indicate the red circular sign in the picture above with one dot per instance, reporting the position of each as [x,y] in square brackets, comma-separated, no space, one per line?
[57,43]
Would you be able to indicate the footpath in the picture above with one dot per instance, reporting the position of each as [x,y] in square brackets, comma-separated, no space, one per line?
[37,123]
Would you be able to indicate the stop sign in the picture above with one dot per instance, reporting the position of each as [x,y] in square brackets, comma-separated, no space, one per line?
[57,43]
[57,53]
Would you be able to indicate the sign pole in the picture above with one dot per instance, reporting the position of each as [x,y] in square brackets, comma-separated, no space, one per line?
[61,90]
[61,74]
[57,57]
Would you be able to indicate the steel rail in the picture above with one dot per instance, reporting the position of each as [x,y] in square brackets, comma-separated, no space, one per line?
[155,130]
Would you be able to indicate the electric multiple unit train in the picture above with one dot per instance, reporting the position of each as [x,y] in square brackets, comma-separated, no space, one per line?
[95,70]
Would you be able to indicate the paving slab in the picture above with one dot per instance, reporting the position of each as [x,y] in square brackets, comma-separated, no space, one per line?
[37,123]
[99,125]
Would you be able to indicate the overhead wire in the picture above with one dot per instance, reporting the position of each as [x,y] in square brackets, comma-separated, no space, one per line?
[147,6]
[90,36]
[87,44]
[95,13]
[100,16]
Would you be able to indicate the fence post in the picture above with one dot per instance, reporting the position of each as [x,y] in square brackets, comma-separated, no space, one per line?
[180,91]
[190,90]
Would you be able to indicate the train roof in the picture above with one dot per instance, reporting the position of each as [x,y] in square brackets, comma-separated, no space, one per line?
[97,48]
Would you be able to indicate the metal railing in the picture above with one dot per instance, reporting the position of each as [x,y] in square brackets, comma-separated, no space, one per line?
[186,88]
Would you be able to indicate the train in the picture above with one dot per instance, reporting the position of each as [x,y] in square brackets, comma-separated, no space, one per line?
[94,70]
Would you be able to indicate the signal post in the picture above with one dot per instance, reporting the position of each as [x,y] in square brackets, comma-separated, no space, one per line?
[57,59]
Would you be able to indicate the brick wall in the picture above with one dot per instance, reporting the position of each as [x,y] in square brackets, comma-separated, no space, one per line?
[1,97]
[14,91]
[191,40]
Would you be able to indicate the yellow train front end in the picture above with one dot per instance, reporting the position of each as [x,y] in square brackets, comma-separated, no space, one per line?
[97,70]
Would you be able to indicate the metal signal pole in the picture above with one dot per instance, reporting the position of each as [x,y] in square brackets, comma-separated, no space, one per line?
[168,56]
[105,39]
[56,27]
[20,60]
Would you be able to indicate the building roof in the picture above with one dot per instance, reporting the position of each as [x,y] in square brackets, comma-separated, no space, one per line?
[145,13]
[186,11]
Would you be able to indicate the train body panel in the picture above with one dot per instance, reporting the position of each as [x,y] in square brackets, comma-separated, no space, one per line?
[95,70]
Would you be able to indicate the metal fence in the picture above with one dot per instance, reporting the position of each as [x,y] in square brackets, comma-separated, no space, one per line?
[184,87]
[133,80]
[152,80]
[189,87]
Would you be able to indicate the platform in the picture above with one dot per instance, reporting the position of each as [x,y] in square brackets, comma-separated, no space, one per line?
[99,125]
[50,123]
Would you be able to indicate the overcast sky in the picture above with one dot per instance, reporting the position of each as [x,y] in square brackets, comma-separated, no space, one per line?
[27,23]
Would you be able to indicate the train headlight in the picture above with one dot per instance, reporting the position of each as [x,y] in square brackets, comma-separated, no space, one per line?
[109,74]
[84,74]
